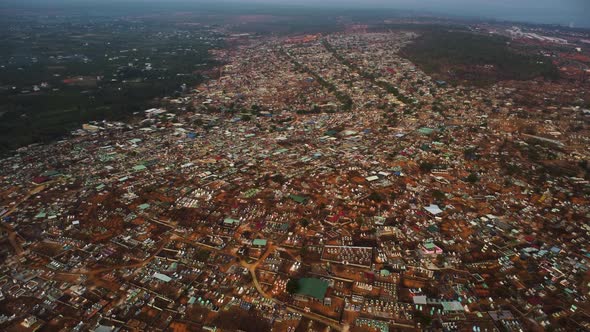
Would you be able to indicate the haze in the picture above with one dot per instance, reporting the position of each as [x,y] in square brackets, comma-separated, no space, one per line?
[567,12]
[572,13]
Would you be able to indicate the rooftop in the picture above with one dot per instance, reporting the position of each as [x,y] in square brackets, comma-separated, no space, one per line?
[312,287]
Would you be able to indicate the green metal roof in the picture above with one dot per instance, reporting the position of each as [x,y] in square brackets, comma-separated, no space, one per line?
[312,287]
[138,168]
[425,131]
[452,306]
[230,221]
[298,199]
[429,245]
[259,242]
[331,133]
[433,228]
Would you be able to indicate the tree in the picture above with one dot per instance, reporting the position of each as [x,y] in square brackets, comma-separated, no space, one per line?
[424,319]
[292,286]
[304,222]
[439,195]
[376,197]
[202,255]
[426,166]
[472,178]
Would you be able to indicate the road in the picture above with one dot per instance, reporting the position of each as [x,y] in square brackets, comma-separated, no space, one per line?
[94,274]
[271,247]
[252,269]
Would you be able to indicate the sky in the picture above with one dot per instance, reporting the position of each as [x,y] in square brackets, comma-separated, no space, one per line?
[574,13]
[565,12]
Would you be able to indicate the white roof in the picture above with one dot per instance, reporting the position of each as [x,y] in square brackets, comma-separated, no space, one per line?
[433,209]
[420,299]
[162,277]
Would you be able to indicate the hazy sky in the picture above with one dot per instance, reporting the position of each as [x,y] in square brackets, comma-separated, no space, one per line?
[566,12]
[575,12]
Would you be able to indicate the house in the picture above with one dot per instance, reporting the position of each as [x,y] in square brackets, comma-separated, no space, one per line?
[433,209]
[29,321]
[231,223]
[259,243]
[429,248]
[161,277]
[452,306]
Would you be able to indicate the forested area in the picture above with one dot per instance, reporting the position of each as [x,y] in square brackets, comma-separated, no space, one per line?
[476,58]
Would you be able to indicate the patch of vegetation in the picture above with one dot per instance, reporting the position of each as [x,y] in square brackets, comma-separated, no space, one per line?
[304,222]
[438,195]
[476,58]
[69,73]
[376,197]
[426,166]
[472,178]
[292,286]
